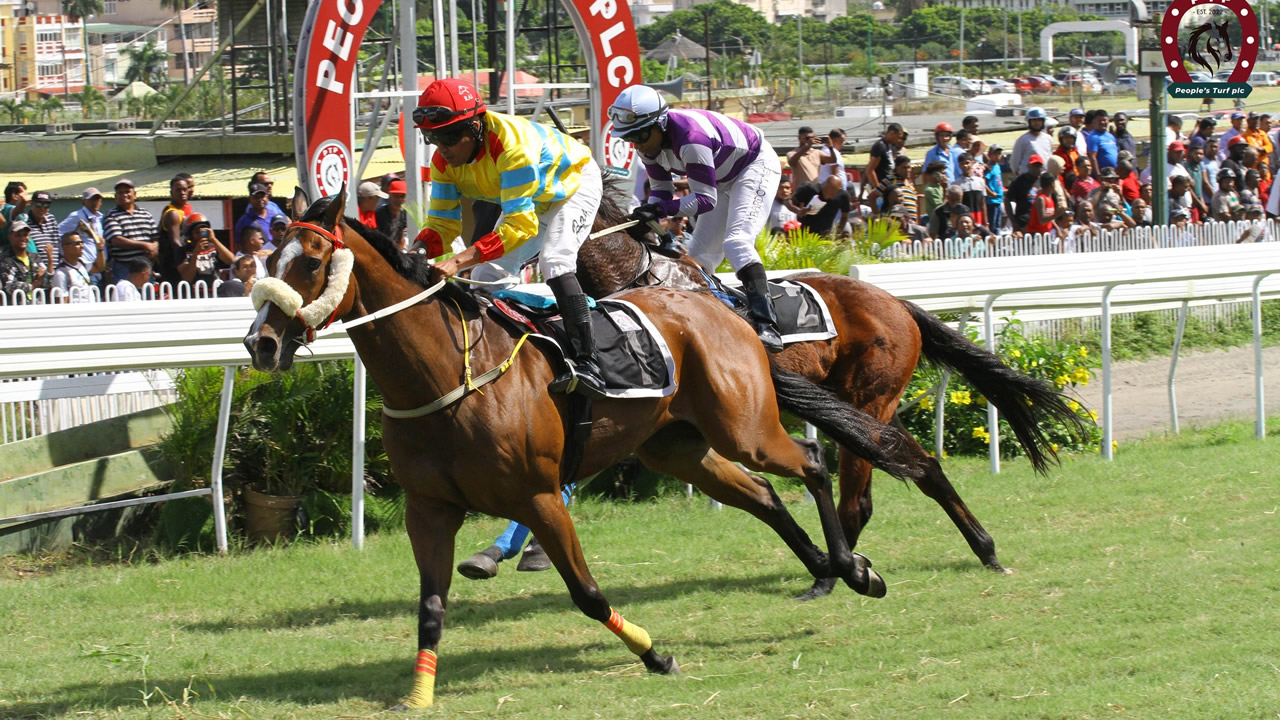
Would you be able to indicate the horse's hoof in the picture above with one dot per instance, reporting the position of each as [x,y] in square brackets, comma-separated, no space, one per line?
[866,561]
[534,559]
[875,585]
[822,587]
[480,566]
[655,663]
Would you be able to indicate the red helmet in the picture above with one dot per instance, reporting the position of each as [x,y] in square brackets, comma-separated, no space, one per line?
[193,220]
[445,102]
[944,127]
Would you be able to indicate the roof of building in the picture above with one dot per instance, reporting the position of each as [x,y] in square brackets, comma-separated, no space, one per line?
[679,47]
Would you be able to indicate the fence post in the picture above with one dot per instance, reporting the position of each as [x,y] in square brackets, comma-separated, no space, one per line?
[1260,424]
[357,455]
[219,452]
[1173,365]
[1106,372]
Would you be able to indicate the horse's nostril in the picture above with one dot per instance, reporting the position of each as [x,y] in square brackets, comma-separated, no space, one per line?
[266,350]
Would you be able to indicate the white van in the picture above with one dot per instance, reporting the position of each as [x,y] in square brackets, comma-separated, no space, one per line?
[950,85]
[1264,79]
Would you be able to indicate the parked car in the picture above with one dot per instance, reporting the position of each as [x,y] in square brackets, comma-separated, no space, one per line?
[1201,77]
[996,85]
[1127,82]
[1222,75]
[1023,85]
[951,85]
[1264,79]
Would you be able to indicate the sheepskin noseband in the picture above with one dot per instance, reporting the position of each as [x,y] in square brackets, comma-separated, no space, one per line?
[314,315]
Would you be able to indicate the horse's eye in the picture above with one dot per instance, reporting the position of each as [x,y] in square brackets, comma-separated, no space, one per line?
[313,264]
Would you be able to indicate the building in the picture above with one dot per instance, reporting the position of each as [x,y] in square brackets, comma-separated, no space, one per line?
[1107,9]
[39,54]
[781,10]
[644,13]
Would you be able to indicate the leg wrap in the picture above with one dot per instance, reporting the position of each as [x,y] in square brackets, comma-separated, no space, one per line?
[634,636]
[424,682]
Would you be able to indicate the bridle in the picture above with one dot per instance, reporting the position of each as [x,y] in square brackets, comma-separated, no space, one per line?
[321,312]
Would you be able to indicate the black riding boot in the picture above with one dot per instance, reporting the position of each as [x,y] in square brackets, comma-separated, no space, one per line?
[760,306]
[584,373]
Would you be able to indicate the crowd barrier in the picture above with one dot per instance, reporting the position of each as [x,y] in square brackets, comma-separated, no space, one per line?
[159,291]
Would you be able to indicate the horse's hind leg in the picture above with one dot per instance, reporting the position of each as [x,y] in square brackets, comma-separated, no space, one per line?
[550,522]
[681,451]
[432,527]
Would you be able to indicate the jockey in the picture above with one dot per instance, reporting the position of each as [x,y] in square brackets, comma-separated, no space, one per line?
[733,177]
[549,189]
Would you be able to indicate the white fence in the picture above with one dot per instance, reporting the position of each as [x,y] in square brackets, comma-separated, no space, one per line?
[162,291]
[39,406]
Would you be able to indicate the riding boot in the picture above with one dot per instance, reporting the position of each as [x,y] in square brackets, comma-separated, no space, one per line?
[583,375]
[760,306]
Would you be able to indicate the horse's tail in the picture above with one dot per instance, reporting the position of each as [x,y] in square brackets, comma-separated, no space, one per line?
[888,448]
[1023,401]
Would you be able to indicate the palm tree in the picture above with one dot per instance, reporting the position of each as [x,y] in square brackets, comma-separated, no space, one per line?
[92,101]
[46,107]
[17,109]
[147,63]
[79,10]
[180,7]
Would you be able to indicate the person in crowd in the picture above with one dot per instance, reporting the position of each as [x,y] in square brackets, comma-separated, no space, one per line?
[1258,229]
[14,208]
[993,180]
[1109,218]
[1172,129]
[1042,208]
[833,157]
[73,276]
[170,235]
[1205,127]
[1077,120]
[935,188]
[1103,151]
[264,179]
[1085,182]
[1129,185]
[940,221]
[89,212]
[907,225]
[806,159]
[1226,201]
[975,188]
[827,218]
[970,125]
[964,226]
[21,271]
[243,271]
[1180,231]
[279,224]
[1085,226]
[942,150]
[892,196]
[1211,167]
[44,228]
[880,165]
[256,213]
[190,180]
[253,246]
[1179,191]
[1235,155]
[1064,178]
[368,195]
[783,211]
[129,230]
[901,181]
[1021,192]
[1140,213]
[1236,130]
[202,252]
[1194,165]
[1255,134]
[392,219]
[1249,192]
[136,276]
[1066,232]
[1034,142]
[1066,149]
[1108,196]
[1124,140]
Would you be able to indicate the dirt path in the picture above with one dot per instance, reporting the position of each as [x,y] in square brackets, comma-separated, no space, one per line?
[1211,386]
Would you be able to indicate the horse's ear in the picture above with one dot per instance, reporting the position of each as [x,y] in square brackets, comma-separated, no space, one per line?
[334,214]
[300,203]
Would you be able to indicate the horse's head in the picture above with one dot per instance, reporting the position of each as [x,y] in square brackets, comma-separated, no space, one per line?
[310,283]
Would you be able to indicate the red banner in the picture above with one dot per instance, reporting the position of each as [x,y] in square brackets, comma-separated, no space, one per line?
[607,28]
[327,49]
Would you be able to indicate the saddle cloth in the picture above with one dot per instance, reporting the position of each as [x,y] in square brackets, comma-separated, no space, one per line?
[802,313]
[635,361]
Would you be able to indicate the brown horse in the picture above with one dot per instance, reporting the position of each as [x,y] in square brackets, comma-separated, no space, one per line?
[499,452]
[881,340]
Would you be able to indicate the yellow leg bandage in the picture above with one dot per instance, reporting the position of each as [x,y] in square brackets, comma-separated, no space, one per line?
[634,636]
[424,682]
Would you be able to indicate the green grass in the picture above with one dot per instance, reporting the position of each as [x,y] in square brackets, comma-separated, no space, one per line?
[1143,588]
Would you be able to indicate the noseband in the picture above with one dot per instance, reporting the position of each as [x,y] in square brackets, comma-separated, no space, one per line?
[321,312]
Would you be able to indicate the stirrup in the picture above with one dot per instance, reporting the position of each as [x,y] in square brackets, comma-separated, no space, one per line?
[581,378]
[770,338]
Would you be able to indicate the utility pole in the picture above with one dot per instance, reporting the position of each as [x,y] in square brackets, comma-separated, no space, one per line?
[706,44]
[962,4]
[1004,50]
[1020,55]
[800,55]
[826,69]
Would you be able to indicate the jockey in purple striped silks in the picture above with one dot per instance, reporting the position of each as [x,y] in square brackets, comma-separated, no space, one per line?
[733,176]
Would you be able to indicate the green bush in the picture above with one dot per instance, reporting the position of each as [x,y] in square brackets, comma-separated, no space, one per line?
[965,431]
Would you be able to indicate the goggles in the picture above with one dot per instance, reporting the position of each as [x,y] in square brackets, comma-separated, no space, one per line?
[638,136]
[439,114]
[446,136]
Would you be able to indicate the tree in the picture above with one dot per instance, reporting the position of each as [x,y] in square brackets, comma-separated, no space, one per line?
[79,10]
[46,107]
[92,101]
[726,20]
[180,7]
[17,109]
[147,63]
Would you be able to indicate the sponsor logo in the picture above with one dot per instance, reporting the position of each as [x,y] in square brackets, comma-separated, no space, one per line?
[331,167]
[618,153]
[1214,38]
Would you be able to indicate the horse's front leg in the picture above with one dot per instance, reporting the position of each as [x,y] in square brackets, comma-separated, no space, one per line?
[432,527]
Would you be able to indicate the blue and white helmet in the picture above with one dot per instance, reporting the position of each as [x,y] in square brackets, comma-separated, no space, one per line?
[636,108]
[1036,113]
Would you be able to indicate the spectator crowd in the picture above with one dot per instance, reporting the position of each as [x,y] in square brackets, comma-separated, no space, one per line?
[1064,181]
[121,251]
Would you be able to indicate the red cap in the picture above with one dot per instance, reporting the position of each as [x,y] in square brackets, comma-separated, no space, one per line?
[1177,145]
[1035,159]
[1234,140]
[397,186]
[457,96]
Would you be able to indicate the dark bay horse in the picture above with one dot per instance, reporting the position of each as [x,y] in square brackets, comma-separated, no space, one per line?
[499,452]
[881,340]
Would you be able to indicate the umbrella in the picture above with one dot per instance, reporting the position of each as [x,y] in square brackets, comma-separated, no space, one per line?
[134,90]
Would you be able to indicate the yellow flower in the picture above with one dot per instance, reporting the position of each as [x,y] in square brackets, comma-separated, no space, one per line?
[1054,446]
[1081,375]
[1093,415]
[1061,381]
[1084,351]
[981,433]
[926,404]
[1073,405]
[960,397]
[1114,444]
[1016,353]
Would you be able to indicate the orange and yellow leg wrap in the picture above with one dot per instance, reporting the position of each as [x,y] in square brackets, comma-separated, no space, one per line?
[634,636]
[424,682]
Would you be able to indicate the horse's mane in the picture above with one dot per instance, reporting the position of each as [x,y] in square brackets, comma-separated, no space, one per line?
[613,210]
[411,266]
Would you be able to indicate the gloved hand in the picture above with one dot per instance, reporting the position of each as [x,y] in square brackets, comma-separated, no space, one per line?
[647,213]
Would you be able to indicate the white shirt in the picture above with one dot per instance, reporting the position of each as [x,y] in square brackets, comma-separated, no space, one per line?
[780,215]
[127,291]
[826,170]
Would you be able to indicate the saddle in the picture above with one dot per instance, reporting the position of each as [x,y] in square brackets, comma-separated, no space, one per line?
[802,313]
